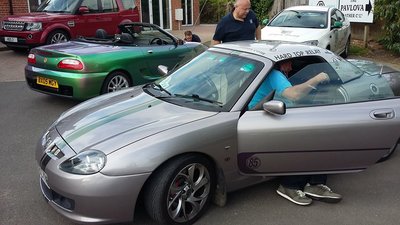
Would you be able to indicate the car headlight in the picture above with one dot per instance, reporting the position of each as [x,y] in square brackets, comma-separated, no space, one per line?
[312,42]
[34,26]
[86,162]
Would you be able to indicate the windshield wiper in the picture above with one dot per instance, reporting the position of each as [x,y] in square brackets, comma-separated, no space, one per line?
[196,97]
[157,87]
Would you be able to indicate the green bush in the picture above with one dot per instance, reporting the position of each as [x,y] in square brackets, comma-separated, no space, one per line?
[389,11]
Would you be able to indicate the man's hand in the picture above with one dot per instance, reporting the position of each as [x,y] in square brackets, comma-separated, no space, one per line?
[322,78]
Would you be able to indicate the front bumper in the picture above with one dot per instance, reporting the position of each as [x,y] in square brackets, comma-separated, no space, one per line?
[25,39]
[92,199]
[72,85]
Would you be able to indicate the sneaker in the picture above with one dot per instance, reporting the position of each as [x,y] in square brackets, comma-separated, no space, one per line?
[322,192]
[296,196]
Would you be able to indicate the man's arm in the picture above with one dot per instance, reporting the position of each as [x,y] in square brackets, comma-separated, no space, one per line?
[298,91]
[258,33]
[215,42]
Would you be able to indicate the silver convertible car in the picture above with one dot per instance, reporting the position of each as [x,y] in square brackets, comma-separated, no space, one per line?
[177,144]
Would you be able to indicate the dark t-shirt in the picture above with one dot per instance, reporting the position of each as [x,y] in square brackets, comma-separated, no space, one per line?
[195,38]
[229,29]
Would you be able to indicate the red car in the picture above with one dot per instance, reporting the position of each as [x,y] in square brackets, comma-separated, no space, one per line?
[61,20]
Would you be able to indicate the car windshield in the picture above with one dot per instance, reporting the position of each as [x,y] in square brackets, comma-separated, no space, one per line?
[58,6]
[300,19]
[212,81]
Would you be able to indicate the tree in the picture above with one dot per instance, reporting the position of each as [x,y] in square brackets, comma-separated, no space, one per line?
[389,11]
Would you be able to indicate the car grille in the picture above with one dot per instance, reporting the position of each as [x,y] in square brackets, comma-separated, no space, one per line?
[13,25]
[61,201]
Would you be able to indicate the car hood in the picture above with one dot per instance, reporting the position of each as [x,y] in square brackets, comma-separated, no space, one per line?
[79,48]
[38,17]
[112,121]
[291,34]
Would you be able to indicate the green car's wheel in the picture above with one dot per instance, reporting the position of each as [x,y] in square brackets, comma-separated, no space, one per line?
[180,191]
[115,81]
[57,36]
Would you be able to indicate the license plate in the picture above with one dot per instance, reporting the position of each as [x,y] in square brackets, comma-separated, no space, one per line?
[10,39]
[47,82]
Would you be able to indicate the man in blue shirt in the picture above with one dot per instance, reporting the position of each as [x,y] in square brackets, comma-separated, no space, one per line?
[297,189]
[240,24]
[277,80]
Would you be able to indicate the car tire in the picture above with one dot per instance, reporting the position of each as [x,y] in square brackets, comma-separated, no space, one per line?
[179,192]
[57,36]
[346,50]
[115,81]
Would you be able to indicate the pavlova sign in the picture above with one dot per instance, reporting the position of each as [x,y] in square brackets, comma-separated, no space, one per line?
[358,11]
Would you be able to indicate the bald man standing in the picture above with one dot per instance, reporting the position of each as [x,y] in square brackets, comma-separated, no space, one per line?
[240,24]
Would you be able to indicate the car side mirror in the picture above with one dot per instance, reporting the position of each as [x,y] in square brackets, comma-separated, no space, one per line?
[163,70]
[265,22]
[275,107]
[337,24]
[83,10]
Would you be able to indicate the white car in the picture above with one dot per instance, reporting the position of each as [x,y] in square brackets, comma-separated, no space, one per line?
[326,27]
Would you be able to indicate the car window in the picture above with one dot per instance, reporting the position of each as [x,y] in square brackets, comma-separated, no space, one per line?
[109,6]
[303,19]
[62,6]
[339,15]
[220,78]
[129,4]
[348,84]
[92,5]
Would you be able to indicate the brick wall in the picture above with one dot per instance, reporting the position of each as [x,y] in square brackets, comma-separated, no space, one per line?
[19,7]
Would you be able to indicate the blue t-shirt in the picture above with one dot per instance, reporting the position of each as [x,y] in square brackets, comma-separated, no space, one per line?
[275,81]
[229,29]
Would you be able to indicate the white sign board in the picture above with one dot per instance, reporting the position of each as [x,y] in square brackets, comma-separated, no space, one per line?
[179,14]
[357,11]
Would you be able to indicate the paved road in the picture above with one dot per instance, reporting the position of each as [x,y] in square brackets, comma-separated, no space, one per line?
[370,197]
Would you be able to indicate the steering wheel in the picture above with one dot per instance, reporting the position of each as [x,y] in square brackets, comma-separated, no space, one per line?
[156,40]
[208,88]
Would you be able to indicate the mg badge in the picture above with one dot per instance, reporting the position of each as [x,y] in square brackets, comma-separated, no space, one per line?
[253,162]
[45,60]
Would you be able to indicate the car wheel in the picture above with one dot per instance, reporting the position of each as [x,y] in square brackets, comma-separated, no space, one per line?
[180,191]
[57,36]
[346,49]
[115,81]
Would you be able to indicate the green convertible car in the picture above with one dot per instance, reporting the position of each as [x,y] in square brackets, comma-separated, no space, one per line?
[88,67]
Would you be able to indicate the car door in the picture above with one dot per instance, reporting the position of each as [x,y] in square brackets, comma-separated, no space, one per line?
[97,18]
[334,33]
[349,127]
[343,31]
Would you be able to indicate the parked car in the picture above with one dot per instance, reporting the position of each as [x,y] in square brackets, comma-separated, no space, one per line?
[61,20]
[184,139]
[88,67]
[326,27]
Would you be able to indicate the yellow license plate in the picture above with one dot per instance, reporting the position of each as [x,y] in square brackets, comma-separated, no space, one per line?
[47,82]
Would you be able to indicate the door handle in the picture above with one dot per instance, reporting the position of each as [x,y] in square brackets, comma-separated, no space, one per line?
[382,114]
[149,51]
